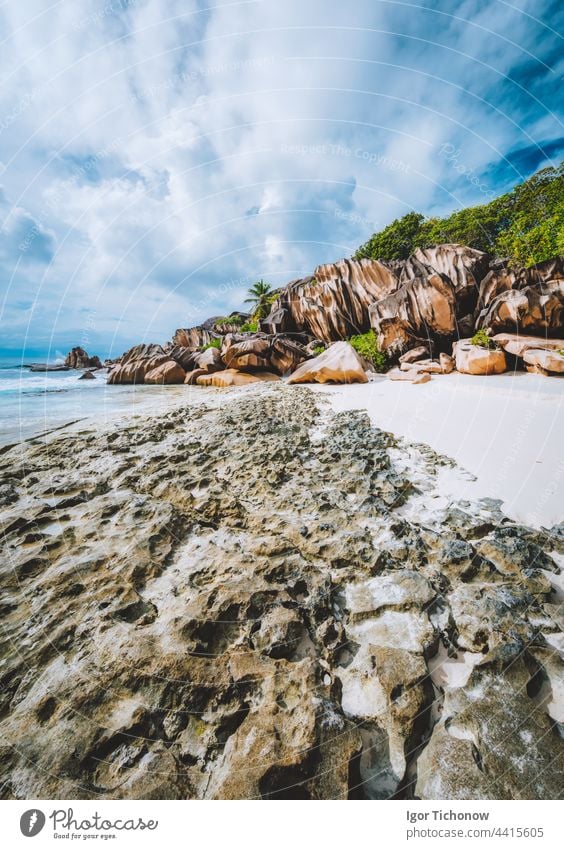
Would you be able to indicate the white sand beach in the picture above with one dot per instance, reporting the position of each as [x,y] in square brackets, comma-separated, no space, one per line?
[506,430]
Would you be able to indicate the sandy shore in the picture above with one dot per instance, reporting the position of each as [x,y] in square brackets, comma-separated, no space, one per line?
[505,430]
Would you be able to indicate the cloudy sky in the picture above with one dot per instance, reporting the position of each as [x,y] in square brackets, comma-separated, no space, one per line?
[158,156]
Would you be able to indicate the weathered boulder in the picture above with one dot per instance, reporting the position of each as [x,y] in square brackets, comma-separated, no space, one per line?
[246,354]
[136,363]
[233,377]
[473,359]
[410,375]
[191,378]
[444,365]
[166,373]
[338,364]
[532,309]
[419,353]
[88,375]
[462,266]
[286,354]
[546,361]
[185,357]
[516,344]
[333,304]
[194,337]
[78,358]
[424,307]
[210,360]
[436,295]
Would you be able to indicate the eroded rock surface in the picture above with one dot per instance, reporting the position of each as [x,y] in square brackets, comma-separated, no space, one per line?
[228,601]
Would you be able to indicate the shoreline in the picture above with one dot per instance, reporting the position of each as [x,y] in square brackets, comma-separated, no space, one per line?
[502,431]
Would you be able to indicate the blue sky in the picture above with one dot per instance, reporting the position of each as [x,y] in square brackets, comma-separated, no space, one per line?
[158,156]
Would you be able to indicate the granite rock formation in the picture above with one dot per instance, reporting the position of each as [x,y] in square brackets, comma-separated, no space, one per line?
[78,359]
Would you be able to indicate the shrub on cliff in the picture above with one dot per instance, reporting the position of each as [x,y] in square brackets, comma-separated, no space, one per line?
[213,343]
[526,225]
[366,345]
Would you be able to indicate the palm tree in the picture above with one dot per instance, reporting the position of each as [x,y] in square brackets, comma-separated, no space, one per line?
[260,294]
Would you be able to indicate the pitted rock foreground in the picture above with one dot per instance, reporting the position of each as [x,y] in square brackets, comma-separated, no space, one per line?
[230,601]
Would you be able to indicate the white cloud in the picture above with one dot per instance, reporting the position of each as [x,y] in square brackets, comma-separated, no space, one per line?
[165,151]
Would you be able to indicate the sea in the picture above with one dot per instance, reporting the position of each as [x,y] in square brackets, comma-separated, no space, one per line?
[36,403]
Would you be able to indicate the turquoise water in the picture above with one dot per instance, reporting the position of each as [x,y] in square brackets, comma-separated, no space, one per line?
[32,403]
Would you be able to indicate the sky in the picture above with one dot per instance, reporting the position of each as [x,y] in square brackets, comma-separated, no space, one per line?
[159,156]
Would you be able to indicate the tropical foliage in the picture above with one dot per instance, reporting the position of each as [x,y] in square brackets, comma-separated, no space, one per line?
[366,345]
[525,225]
[259,297]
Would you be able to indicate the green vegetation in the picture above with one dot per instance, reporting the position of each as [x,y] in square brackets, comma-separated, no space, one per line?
[259,296]
[526,225]
[229,319]
[319,350]
[366,345]
[249,327]
[482,339]
[213,343]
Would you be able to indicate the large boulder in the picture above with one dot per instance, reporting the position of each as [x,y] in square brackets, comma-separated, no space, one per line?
[516,344]
[194,337]
[246,354]
[166,373]
[185,357]
[532,309]
[233,377]
[262,352]
[338,364]
[333,304]
[544,361]
[474,359]
[136,363]
[78,358]
[423,308]
[286,354]
[462,266]
[209,360]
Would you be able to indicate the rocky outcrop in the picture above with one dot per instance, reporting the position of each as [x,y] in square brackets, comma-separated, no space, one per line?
[444,365]
[137,362]
[246,354]
[531,309]
[516,344]
[276,353]
[434,297]
[424,307]
[228,601]
[78,358]
[167,373]
[338,364]
[234,377]
[543,361]
[474,359]
[334,303]
[194,337]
